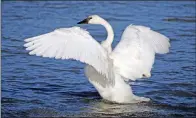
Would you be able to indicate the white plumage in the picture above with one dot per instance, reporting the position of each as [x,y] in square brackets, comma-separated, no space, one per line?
[69,43]
[135,53]
[107,70]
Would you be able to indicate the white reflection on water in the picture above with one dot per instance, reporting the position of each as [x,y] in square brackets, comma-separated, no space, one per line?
[105,107]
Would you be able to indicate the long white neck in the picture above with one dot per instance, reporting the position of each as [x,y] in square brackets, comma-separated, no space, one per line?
[110,34]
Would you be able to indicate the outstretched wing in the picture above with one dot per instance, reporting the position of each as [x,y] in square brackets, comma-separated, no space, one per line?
[70,43]
[134,55]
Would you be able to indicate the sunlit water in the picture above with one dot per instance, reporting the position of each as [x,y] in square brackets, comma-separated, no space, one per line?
[37,87]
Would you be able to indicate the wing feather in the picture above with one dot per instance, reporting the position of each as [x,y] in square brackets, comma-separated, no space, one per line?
[70,43]
[134,55]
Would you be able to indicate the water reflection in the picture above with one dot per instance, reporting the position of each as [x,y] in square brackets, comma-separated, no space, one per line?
[105,107]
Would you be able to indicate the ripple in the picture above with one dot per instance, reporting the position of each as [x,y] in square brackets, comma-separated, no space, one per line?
[5,100]
[39,87]
[41,112]
[187,35]
[55,86]
[181,93]
[189,68]
[85,94]
[185,19]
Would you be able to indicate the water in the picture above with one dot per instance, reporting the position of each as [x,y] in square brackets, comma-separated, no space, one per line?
[37,87]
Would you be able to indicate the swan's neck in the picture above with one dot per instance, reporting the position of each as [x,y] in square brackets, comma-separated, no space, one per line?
[110,34]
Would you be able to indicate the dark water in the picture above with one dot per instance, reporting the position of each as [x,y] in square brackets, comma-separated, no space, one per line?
[37,87]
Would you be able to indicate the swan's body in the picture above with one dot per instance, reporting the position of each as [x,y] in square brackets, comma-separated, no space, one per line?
[107,70]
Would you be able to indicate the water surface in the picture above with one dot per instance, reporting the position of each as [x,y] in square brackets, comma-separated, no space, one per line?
[37,87]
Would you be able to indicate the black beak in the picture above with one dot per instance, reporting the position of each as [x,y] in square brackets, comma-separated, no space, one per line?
[85,21]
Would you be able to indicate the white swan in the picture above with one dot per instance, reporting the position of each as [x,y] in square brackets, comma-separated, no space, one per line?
[107,70]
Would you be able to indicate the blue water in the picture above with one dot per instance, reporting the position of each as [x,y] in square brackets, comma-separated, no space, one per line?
[39,87]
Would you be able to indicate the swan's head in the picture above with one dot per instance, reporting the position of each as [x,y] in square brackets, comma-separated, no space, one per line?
[93,19]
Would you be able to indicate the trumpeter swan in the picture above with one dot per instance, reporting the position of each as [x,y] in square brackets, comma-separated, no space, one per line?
[107,69]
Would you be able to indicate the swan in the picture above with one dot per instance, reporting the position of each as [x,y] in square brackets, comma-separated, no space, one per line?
[107,70]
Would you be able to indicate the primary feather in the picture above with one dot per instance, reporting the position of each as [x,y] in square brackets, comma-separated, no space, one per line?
[70,43]
[134,55]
